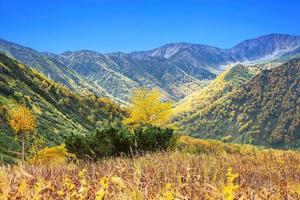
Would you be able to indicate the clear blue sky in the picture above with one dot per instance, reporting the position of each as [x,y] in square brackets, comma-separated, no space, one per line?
[128,25]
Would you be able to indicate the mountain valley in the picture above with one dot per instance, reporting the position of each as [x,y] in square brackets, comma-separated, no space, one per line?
[246,94]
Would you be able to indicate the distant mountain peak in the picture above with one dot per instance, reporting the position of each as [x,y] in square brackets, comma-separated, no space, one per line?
[168,50]
[274,38]
[80,52]
[265,47]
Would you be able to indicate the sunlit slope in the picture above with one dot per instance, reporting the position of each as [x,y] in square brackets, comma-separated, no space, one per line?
[232,78]
[264,111]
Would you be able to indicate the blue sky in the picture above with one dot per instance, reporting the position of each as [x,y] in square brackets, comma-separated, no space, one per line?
[128,25]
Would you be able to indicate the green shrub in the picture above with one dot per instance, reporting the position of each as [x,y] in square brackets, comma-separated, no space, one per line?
[105,142]
[112,141]
[151,138]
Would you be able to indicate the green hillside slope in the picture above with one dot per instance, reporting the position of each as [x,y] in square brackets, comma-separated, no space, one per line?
[58,110]
[232,78]
[264,111]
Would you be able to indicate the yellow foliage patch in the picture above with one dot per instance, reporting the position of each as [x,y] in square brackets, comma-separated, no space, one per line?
[56,155]
[20,119]
[147,108]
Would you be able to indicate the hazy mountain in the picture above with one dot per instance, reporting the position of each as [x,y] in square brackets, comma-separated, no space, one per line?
[266,47]
[99,70]
[120,73]
[178,69]
[51,67]
[258,49]
[264,111]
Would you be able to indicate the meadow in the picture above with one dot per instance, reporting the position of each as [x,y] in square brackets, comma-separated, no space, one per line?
[246,174]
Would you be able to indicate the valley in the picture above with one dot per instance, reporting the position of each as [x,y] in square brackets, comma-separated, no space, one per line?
[150,100]
[254,102]
[183,121]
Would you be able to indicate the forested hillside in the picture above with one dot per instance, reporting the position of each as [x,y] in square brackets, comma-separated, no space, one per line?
[59,111]
[230,79]
[264,111]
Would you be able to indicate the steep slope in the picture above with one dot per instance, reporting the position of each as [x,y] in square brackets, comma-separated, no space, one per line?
[166,51]
[264,111]
[100,70]
[119,71]
[58,110]
[51,68]
[226,82]
[159,72]
[200,61]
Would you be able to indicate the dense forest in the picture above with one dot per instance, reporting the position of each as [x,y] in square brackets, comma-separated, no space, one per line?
[263,111]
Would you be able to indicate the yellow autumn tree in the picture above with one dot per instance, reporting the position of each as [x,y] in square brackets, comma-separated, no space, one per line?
[148,108]
[22,122]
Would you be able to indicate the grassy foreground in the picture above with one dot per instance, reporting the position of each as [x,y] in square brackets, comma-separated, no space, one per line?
[165,175]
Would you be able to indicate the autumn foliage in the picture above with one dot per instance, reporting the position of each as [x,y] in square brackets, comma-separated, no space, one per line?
[164,176]
[52,156]
[22,122]
[148,108]
[21,119]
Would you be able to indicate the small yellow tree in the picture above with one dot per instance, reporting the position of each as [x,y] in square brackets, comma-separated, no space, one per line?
[147,108]
[22,121]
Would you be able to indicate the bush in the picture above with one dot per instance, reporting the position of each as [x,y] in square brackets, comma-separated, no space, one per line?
[108,141]
[151,138]
[78,144]
[113,141]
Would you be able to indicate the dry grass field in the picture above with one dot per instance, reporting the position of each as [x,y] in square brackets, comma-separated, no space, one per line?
[261,174]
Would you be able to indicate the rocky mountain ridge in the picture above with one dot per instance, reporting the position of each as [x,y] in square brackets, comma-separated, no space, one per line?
[177,69]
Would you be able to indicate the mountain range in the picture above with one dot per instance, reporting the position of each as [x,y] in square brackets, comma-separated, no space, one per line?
[178,69]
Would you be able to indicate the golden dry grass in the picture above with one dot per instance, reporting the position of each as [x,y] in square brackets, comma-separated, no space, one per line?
[171,175]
